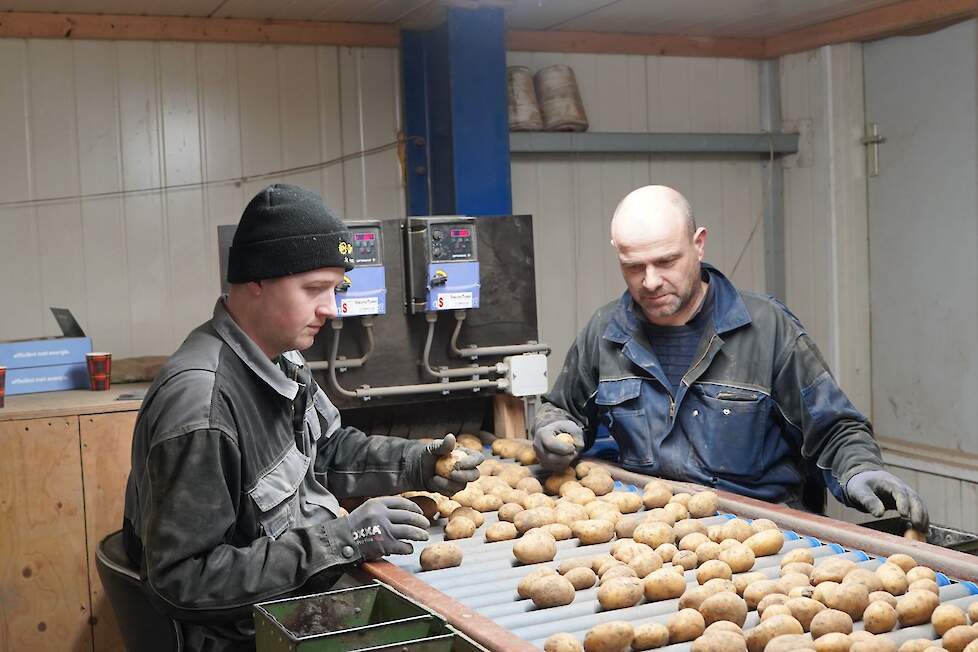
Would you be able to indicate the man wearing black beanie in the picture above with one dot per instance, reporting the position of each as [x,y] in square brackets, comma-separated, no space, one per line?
[239,457]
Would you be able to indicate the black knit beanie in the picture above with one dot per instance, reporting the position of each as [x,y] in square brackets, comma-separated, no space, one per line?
[287,230]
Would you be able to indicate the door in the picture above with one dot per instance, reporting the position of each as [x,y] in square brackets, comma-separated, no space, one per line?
[923,232]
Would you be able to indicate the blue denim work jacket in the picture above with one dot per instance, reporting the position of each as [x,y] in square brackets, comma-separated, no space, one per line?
[758,412]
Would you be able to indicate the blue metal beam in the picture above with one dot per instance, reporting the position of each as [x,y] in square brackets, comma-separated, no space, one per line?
[455,99]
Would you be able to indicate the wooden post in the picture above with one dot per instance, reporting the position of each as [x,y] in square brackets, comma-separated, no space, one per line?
[509,417]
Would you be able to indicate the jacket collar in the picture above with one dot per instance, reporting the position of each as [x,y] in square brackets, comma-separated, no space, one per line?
[729,310]
[246,349]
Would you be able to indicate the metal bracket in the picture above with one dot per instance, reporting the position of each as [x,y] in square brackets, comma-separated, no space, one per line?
[872,141]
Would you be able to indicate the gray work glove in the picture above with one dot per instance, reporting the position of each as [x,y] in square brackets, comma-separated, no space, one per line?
[464,473]
[555,455]
[385,525]
[877,491]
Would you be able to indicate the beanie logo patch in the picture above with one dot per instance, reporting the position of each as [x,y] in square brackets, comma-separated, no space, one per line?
[345,248]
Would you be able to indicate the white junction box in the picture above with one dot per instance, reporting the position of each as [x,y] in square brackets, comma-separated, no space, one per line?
[527,374]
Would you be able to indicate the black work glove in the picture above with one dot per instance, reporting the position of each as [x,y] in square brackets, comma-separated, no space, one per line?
[464,473]
[383,526]
[877,491]
[556,455]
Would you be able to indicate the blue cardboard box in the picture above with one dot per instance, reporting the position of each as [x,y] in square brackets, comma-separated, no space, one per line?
[44,352]
[30,380]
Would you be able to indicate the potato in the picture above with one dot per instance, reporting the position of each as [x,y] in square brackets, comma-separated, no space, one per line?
[679,512]
[703,504]
[761,524]
[536,517]
[685,625]
[755,591]
[864,576]
[469,441]
[850,598]
[487,503]
[832,569]
[958,637]
[569,487]
[583,468]
[649,636]
[562,643]
[882,596]
[693,597]
[532,501]
[916,608]
[644,563]
[833,642]
[711,569]
[535,549]
[798,567]
[567,513]
[761,635]
[552,591]
[620,592]
[765,542]
[447,507]
[872,643]
[803,555]
[803,610]
[972,612]
[530,485]
[722,641]
[770,600]
[893,578]
[715,532]
[653,534]
[791,580]
[739,558]
[523,589]
[687,526]
[724,626]
[830,620]
[459,527]
[568,565]
[508,511]
[737,529]
[916,645]
[626,501]
[879,617]
[580,496]
[527,456]
[656,494]
[559,531]
[593,531]
[925,585]
[719,585]
[466,497]
[489,467]
[667,551]
[600,509]
[503,447]
[707,551]
[468,512]
[599,561]
[614,636]
[445,464]
[553,482]
[790,643]
[802,592]
[661,515]
[664,584]
[685,558]
[581,578]
[920,573]
[617,570]
[692,541]
[825,591]
[517,496]
[905,562]
[946,616]
[598,481]
[500,531]
[724,606]
[625,526]
[440,555]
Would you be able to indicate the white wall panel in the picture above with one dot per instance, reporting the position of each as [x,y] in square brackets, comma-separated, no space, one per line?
[572,197]
[90,117]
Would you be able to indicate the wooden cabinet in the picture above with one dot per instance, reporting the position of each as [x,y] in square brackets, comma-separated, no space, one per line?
[64,460]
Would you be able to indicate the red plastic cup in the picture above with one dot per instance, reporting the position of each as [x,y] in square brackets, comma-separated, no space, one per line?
[3,382]
[99,370]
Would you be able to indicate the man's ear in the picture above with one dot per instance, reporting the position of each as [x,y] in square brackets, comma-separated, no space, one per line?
[699,241]
[254,288]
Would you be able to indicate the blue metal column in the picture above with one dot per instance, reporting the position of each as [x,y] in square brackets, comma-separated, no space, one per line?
[455,100]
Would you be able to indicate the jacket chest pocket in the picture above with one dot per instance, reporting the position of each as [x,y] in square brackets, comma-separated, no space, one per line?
[276,493]
[727,427]
[621,405]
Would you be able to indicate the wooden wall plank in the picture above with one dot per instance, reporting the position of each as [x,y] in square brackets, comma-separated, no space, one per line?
[330,127]
[43,572]
[106,444]
[261,122]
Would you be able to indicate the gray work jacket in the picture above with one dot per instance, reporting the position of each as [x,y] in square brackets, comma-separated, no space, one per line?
[232,495]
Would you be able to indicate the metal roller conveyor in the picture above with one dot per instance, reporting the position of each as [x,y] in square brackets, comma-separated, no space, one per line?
[479,597]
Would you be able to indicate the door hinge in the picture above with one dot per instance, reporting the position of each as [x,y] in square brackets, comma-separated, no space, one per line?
[872,141]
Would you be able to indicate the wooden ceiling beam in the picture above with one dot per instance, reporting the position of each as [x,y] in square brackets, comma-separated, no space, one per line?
[906,17]
[654,44]
[180,28]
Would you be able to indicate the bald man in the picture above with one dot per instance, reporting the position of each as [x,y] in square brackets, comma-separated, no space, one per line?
[700,382]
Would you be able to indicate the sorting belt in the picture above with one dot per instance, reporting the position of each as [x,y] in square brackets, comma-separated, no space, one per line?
[487,578]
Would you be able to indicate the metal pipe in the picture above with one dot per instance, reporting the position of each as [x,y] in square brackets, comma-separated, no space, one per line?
[348,363]
[457,372]
[477,351]
[331,365]
[366,393]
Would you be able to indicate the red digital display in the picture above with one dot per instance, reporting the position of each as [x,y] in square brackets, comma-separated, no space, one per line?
[363,236]
[459,233]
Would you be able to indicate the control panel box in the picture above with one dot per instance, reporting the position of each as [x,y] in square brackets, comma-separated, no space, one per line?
[442,263]
[363,291]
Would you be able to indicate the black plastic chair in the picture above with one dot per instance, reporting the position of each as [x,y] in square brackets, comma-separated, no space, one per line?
[144,629]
